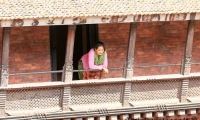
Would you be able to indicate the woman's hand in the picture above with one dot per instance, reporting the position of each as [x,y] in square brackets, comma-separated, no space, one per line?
[105,69]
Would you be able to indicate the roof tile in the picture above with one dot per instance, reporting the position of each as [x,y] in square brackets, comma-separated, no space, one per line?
[14,9]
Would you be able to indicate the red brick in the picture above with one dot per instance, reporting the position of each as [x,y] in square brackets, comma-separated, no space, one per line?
[28,57]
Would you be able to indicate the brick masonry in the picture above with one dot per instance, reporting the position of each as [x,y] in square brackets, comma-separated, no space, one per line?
[157,43]
[115,38]
[160,43]
[29,52]
[196,48]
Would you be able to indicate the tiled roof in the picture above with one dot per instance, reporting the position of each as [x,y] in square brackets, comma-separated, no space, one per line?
[20,9]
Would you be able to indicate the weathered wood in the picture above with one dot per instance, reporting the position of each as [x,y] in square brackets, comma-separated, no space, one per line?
[169,113]
[48,21]
[96,118]
[188,48]
[119,111]
[5,57]
[190,111]
[179,112]
[198,110]
[2,102]
[66,98]
[69,54]
[137,115]
[130,52]
[129,63]
[100,82]
[187,60]
[184,90]
[158,114]
[126,95]
[122,117]
[147,115]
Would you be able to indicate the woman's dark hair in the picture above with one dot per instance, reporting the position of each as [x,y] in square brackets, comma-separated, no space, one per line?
[99,44]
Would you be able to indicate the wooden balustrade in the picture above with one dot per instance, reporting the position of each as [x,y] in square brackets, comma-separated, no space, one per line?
[152,96]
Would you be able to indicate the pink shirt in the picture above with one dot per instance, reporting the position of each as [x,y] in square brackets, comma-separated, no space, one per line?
[88,61]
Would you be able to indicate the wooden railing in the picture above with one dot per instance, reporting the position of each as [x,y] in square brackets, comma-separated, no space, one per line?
[153,94]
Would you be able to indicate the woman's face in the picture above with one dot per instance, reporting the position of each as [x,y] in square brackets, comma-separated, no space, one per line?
[99,50]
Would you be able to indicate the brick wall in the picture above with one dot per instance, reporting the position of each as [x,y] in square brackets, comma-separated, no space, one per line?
[1,30]
[160,43]
[196,48]
[115,38]
[29,52]
[157,43]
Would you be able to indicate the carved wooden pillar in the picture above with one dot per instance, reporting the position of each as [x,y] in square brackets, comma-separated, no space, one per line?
[5,57]
[129,63]
[69,54]
[130,53]
[188,48]
[187,61]
[68,67]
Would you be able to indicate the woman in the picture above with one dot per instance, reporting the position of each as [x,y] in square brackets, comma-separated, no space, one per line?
[96,58]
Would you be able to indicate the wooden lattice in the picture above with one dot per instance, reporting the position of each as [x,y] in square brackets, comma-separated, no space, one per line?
[29,99]
[155,90]
[96,94]
[194,88]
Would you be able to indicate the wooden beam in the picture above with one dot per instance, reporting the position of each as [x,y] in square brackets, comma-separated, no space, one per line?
[188,48]
[131,50]
[5,57]
[69,54]
[137,111]
[169,113]
[158,114]
[190,111]
[48,21]
[180,112]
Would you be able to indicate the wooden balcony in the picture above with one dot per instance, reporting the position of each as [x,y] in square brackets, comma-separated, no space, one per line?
[148,96]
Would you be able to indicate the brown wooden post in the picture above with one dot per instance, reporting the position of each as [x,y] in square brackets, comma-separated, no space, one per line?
[68,67]
[4,68]
[69,54]
[5,57]
[187,61]
[130,52]
[188,48]
[129,63]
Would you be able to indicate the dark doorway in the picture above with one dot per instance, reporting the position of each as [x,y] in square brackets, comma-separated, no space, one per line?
[58,37]
[85,38]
